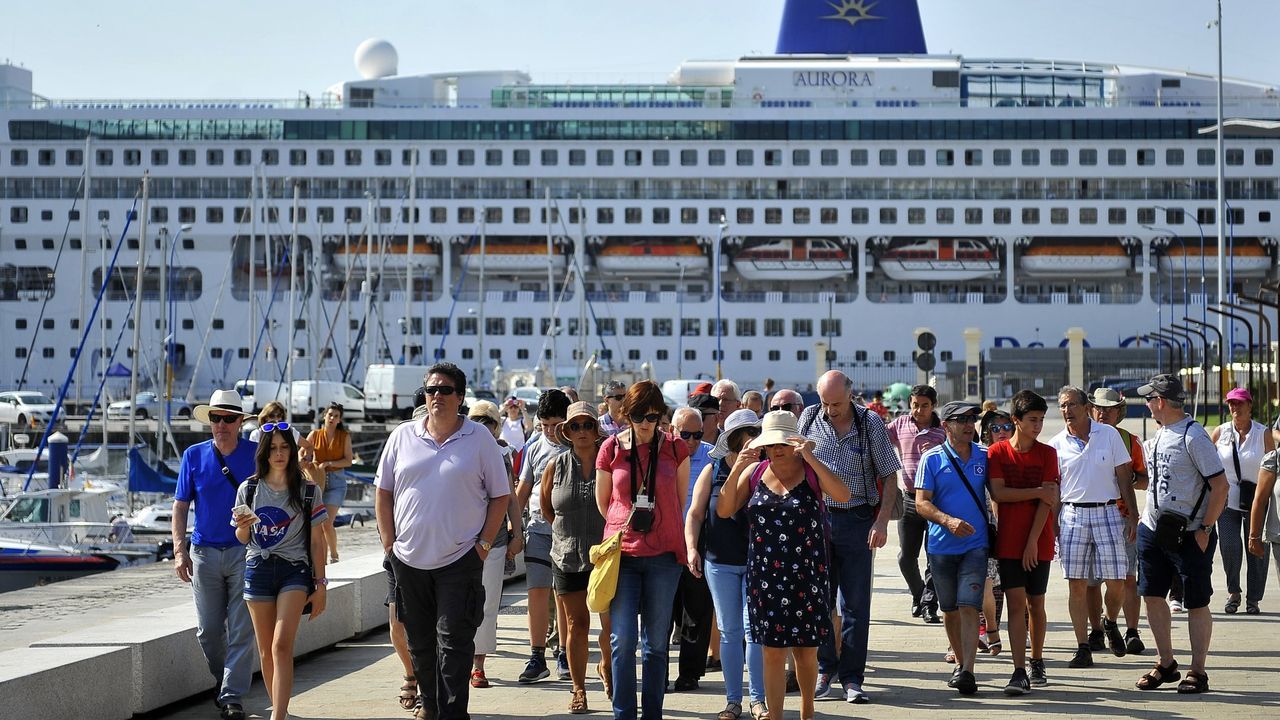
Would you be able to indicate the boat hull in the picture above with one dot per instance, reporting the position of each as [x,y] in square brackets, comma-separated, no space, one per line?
[939,270]
[1074,266]
[1242,266]
[752,269]
[693,265]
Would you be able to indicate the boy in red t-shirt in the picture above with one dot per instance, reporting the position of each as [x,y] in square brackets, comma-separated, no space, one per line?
[1023,476]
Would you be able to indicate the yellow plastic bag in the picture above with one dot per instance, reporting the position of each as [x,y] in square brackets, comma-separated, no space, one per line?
[606,558]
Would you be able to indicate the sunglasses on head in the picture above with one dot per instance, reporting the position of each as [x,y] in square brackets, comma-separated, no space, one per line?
[445,390]
[273,426]
[691,435]
[575,426]
[1002,427]
[228,419]
[619,398]
[647,418]
[783,406]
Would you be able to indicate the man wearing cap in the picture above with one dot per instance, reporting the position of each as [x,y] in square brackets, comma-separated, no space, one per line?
[612,422]
[210,474]
[951,494]
[693,613]
[1189,490]
[709,407]
[853,442]
[789,400]
[1097,472]
[1109,409]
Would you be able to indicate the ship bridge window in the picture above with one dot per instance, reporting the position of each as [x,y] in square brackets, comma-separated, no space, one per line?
[1146,215]
[774,327]
[661,327]
[715,157]
[661,158]
[888,216]
[577,157]
[18,157]
[1002,157]
[746,216]
[690,355]
[1088,156]
[946,215]
[915,216]
[1116,157]
[297,156]
[799,157]
[1206,156]
[1116,216]
[159,156]
[772,215]
[772,158]
[382,156]
[690,327]
[18,215]
[187,157]
[661,215]
[213,157]
[466,157]
[973,216]
[1263,156]
[745,327]
[745,157]
[75,157]
[1058,157]
[104,157]
[45,157]
[352,156]
[915,157]
[1146,156]
[242,156]
[439,157]
[688,158]
[604,157]
[1235,156]
[1059,216]
[858,157]
[829,157]
[689,215]
[550,157]
[1030,216]
[972,157]
[888,157]
[1174,216]
[1030,157]
[1088,216]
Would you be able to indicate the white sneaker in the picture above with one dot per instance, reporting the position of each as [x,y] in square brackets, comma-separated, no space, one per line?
[1175,606]
[853,694]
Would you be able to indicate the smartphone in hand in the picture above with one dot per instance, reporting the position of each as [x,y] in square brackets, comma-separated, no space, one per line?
[238,511]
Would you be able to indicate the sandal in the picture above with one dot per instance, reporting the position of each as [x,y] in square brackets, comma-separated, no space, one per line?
[1158,676]
[732,711]
[994,646]
[479,680]
[759,711]
[605,673]
[409,692]
[1194,683]
[578,705]
[1233,605]
[950,657]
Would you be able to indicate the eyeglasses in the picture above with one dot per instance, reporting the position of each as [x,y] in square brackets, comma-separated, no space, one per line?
[1068,405]
[649,418]
[619,398]
[227,419]
[1002,427]
[963,419]
[588,425]
[445,390]
[273,426]
[789,407]
[691,435]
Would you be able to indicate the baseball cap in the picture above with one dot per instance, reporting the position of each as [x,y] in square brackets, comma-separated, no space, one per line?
[1240,394]
[1164,385]
[704,403]
[956,408]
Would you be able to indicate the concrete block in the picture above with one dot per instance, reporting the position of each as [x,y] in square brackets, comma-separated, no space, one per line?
[335,624]
[370,580]
[165,661]
[86,683]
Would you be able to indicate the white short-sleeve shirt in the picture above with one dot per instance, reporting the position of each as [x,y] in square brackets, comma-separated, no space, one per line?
[1088,470]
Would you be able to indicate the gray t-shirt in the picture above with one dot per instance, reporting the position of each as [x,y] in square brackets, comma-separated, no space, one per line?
[537,454]
[278,531]
[1180,458]
[1271,532]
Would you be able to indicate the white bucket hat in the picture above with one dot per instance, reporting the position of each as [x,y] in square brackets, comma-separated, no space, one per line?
[227,401]
[778,426]
[736,421]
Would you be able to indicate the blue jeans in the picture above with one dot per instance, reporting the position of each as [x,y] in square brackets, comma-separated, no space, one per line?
[646,590]
[959,579]
[1233,528]
[223,625]
[728,585]
[851,561]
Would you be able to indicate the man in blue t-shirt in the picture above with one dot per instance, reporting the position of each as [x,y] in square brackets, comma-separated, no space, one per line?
[951,493]
[211,473]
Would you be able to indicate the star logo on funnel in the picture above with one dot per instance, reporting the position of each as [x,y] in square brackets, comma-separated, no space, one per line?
[852,11]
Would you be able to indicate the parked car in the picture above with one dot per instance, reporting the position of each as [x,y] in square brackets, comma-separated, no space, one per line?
[20,407]
[148,405]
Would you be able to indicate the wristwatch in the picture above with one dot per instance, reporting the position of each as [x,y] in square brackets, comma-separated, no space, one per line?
[1208,529]
[322,582]
[485,545]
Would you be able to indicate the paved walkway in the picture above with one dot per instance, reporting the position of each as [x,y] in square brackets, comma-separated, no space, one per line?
[906,675]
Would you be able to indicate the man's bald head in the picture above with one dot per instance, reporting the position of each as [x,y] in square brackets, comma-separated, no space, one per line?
[789,400]
[835,392]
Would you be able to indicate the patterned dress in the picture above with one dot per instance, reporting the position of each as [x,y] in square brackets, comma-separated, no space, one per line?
[788,583]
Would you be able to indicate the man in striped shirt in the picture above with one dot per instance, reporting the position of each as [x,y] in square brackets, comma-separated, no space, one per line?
[852,441]
[913,435]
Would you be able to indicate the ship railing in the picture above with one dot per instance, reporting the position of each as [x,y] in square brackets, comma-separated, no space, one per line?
[931,297]
[1076,296]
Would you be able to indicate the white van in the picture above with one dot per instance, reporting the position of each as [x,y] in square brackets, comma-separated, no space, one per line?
[255,394]
[389,389]
[677,391]
[311,396]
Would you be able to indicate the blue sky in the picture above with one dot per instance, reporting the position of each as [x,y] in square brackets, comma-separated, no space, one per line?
[277,48]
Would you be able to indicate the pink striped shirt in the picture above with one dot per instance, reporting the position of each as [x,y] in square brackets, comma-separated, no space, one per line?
[912,442]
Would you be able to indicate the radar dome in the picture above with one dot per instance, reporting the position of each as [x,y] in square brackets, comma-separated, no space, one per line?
[376,58]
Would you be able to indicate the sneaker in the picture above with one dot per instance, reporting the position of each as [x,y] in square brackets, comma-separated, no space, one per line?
[967,684]
[1097,640]
[853,694]
[534,670]
[1039,678]
[562,665]
[1018,684]
[232,711]
[714,665]
[478,679]
[823,688]
[1082,659]
[954,680]
[1114,638]
[686,684]
[1132,643]
[917,610]
[1176,606]
[793,684]
[931,615]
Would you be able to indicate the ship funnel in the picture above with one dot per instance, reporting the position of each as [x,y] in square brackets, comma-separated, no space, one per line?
[843,27]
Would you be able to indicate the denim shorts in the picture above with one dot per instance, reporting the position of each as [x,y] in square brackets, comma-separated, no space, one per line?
[958,580]
[266,577]
[335,491]
[1157,567]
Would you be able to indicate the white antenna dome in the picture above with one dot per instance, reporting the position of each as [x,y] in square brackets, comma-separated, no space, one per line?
[376,58]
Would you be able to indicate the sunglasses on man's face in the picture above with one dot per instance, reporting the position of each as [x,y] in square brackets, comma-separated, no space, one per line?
[789,407]
[575,426]
[445,390]
[648,418]
[619,398]
[273,426]
[691,435]
[228,419]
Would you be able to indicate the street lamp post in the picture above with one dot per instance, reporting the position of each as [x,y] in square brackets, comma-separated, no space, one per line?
[1175,345]
[1249,349]
[1203,383]
[1221,367]
[1183,243]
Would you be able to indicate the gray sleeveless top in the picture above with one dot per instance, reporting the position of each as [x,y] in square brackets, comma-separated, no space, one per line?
[578,524]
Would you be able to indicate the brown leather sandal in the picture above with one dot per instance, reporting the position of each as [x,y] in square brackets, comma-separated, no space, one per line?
[1194,683]
[409,692]
[1158,676]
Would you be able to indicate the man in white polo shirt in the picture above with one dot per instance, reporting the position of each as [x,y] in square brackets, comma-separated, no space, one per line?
[442,494]
[1097,471]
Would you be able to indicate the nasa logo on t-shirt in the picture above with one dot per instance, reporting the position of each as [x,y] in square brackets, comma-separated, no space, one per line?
[272,526]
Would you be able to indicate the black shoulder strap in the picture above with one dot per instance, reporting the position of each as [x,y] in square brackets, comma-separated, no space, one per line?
[251,489]
[226,471]
[955,463]
[1155,462]
[1235,455]
[308,499]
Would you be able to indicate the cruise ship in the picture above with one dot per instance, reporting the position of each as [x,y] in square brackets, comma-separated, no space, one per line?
[831,197]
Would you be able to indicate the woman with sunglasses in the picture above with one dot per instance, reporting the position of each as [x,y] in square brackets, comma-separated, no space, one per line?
[716,547]
[281,570]
[515,428]
[332,446]
[567,497]
[781,483]
[997,426]
[641,482]
[274,412]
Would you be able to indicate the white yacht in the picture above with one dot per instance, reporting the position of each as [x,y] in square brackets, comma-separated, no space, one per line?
[942,191]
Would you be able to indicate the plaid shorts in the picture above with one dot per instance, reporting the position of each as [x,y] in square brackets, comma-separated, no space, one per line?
[1092,543]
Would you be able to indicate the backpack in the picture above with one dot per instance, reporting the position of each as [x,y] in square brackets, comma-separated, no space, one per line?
[308,501]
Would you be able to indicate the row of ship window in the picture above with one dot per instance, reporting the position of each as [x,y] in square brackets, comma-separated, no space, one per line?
[688,216]
[606,157]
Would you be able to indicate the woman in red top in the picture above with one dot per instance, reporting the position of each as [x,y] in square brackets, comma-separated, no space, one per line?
[1023,477]
[642,480]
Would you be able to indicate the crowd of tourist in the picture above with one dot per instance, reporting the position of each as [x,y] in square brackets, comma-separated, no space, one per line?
[744,527]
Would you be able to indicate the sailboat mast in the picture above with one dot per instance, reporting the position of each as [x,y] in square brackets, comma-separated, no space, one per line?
[84,260]
[408,260]
[368,280]
[580,259]
[293,301]
[484,228]
[137,303]
[163,415]
[253,262]
[551,292]
[102,329]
